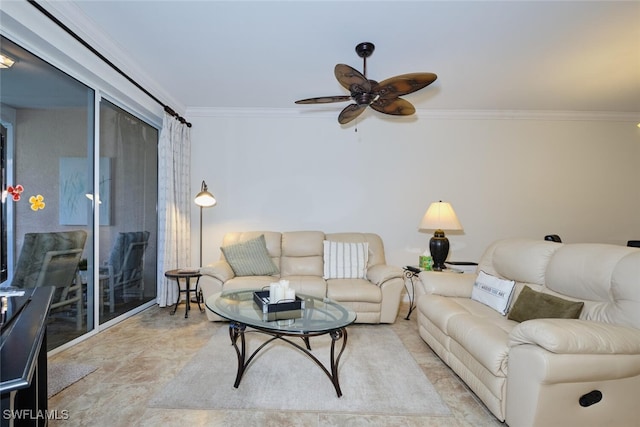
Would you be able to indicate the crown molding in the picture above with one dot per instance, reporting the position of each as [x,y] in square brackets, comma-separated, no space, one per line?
[238,112]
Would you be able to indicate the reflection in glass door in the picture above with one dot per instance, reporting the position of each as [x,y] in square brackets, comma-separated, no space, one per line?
[128,217]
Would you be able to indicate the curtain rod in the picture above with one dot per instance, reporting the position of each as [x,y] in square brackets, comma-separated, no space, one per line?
[168,109]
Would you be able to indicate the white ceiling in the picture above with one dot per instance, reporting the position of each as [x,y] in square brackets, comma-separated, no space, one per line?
[489,55]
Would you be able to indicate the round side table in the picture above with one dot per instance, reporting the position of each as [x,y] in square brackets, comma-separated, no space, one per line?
[187,275]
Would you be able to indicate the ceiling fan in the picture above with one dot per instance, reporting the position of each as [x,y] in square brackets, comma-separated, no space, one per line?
[383,97]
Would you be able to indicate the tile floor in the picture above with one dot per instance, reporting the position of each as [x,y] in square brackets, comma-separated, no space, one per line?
[139,356]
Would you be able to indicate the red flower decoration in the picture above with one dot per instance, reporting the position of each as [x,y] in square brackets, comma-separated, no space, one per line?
[15,191]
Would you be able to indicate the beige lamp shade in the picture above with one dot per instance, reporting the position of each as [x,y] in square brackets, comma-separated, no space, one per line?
[440,216]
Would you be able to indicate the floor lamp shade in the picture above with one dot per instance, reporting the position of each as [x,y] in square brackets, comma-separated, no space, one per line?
[439,217]
[204,199]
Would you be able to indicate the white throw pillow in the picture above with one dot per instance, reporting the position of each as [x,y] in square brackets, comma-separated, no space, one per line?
[493,292]
[345,260]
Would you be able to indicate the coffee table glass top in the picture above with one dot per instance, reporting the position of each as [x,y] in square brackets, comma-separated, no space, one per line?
[318,315]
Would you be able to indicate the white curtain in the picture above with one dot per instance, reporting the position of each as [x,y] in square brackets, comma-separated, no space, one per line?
[174,205]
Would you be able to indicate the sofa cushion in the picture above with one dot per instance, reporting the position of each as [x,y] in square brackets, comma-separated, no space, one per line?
[302,253]
[314,286]
[537,305]
[522,260]
[344,260]
[250,258]
[343,290]
[493,292]
[248,282]
[606,278]
[484,337]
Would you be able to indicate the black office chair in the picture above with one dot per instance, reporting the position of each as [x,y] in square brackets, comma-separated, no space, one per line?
[634,243]
[553,238]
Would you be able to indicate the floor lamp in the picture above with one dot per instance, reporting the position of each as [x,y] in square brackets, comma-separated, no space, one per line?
[204,199]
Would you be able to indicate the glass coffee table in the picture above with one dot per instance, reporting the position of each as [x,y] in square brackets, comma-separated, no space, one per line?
[317,317]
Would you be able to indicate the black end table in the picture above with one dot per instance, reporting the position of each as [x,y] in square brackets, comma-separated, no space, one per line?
[410,273]
[187,275]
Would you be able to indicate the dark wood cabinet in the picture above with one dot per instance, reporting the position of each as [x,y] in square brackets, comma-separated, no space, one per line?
[23,359]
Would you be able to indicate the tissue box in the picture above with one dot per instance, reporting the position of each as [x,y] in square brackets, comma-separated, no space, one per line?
[425,262]
[261,298]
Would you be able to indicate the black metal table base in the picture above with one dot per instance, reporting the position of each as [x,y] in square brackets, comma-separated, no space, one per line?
[237,331]
[188,291]
[411,293]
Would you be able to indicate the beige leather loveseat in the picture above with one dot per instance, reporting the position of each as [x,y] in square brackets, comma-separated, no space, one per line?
[544,371]
[299,258]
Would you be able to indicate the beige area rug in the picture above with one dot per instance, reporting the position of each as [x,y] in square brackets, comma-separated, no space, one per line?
[62,375]
[377,376]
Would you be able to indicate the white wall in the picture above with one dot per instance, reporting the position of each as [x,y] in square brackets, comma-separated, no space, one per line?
[520,177]
[506,177]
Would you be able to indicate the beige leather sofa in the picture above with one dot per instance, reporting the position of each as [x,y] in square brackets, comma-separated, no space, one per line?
[299,258]
[535,373]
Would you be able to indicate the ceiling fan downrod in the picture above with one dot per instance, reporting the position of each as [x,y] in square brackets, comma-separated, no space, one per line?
[365,50]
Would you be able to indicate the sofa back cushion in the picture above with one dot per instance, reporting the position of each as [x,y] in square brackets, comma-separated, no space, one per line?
[376,248]
[301,253]
[606,277]
[272,240]
[522,260]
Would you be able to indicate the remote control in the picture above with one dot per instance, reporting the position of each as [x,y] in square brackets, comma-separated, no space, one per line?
[413,269]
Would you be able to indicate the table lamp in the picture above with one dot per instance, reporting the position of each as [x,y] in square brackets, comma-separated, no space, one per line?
[204,199]
[439,217]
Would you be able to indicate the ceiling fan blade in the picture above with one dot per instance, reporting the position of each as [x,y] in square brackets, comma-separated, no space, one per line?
[404,84]
[324,99]
[350,112]
[394,106]
[352,79]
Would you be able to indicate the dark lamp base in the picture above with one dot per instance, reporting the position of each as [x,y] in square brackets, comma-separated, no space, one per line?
[439,247]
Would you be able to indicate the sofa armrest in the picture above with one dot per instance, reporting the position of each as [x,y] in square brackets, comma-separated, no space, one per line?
[574,336]
[546,388]
[220,270]
[446,284]
[390,280]
[380,273]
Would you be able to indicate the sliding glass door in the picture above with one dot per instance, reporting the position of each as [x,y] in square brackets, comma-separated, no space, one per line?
[128,216]
[78,209]
[48,156]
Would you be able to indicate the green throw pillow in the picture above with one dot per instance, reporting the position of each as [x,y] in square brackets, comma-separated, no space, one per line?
[250,258]
[537,305]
